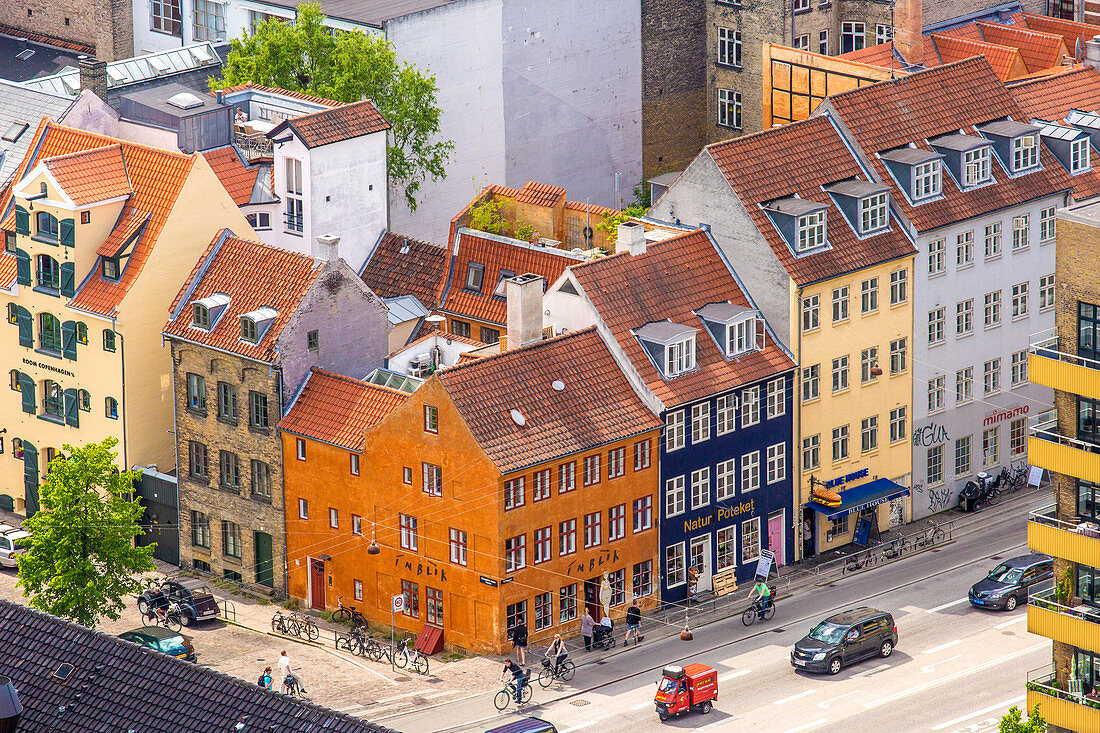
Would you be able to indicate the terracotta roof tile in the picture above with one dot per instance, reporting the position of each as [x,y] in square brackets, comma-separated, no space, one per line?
[253,275]
[591,208]
[333,125]
[275,90]
[88,176]
[675,277]
[597,406]
[129,222]
[540,194]
[810,153]
[1039,50]
[495,254]
[1005,60]
[1072,33]
[931,103]
[337,409]
[237,177]
[402,265]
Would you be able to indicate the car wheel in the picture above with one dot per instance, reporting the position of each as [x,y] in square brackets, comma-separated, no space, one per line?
[886,649]
[143,606]
[834,665]
[1010,603]
[662,716]
[705,707]
[186,620]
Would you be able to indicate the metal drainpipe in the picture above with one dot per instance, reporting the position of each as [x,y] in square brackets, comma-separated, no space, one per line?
[800,543]
[122,357]
[176,446]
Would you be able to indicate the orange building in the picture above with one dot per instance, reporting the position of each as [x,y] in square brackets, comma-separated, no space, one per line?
[515,486]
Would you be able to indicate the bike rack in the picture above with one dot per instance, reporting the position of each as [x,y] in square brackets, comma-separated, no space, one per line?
[227,609]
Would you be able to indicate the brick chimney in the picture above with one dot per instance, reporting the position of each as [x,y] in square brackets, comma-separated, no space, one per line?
[326,249]
[908,40]
[524,293]
[93,76]
[630,237]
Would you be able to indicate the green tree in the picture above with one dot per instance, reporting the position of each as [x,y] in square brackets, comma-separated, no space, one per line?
[349,66]
[609,223]
[81,560]
[1013,722]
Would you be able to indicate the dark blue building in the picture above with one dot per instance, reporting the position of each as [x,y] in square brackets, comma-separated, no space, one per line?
[697,349]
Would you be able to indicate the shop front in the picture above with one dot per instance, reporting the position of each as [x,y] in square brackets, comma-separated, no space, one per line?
[853,508]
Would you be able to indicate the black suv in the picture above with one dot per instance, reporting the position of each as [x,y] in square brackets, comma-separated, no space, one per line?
[1007,585]
[844,638]
[195,600]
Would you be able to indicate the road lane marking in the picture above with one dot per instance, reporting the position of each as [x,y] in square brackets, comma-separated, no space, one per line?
[946,605]
[825,703]
[928,668]
[948,678]
[872,670]
[983,711]
[586,724]
[1006,624]
[807,726]
[941,647]
[717,723]
[731,675]
[646,704]
[792,698]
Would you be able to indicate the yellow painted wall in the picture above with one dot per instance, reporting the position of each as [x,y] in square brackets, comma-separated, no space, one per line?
[890,460]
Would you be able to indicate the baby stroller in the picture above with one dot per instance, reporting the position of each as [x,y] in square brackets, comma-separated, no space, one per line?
[602,637]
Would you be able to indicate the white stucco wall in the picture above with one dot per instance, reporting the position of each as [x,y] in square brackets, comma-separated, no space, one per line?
[279,235]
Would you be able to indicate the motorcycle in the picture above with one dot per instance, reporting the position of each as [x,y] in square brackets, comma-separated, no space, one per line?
[980,493]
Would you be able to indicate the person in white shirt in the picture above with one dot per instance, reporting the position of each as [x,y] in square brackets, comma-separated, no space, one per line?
[286,670]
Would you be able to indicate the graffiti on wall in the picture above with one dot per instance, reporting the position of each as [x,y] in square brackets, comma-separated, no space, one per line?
[936,498]
[929,435]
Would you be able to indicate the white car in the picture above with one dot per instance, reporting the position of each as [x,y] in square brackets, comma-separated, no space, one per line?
[11,546]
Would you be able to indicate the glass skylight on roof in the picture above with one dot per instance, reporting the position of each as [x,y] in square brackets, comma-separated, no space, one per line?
[158,65]
[1084,119]
[185,100]
[1058,132]
[201,54]
[386,378]
[117,75]
[17,128]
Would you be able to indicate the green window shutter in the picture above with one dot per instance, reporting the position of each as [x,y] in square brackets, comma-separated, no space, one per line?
[72,406]
[26,386]
[67,285]
[30,461]
[68,340]
[22,220]
[22,267]
[23,318]
[65,230]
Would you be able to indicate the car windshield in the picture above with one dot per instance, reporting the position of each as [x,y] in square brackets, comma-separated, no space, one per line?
[667,685]
[172,645]
[1004,574]
[828,633]
[199,590]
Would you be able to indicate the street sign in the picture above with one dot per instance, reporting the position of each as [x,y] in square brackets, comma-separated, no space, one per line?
[397,603]
[1034,476]
[764,564]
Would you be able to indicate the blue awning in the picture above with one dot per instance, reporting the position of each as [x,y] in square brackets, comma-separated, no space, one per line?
[859,497]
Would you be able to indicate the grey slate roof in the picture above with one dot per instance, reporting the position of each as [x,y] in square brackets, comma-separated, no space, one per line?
[125,72]
[23,106]
[118,686]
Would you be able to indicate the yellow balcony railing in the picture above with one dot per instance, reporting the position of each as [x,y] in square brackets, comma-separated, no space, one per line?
[1051,367]
[1071,711]
[1050,449]
[1068,540]
[1077,626]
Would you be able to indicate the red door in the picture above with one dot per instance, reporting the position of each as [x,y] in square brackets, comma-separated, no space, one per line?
[317,584]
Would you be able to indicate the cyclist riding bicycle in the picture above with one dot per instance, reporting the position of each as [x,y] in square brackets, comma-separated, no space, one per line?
[558,652]
[761,592]
[519,677]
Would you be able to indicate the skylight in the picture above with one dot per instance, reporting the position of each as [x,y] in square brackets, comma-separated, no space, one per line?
[14,131]
[185,100]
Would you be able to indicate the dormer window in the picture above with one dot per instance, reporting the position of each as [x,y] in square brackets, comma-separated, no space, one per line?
[671,346]
[1080,159]
[475,273]
[927,180]
[249,331]
[865,204]
[501,290]
[811,230]
[200,316]
[254,324]
[206,312]
[1070,145]
[1025,153]
[1016,143]
[918,172]
[873,212]
[734,328]
[741,337]
[976,167]
[110,268]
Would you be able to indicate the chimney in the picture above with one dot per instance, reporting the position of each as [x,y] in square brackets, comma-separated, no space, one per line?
[10,707]
[524,294]
[1092,52]
[93,76]
[631,238]
[326,249]
[908,39]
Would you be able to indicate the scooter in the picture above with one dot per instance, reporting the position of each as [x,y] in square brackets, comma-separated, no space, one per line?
[977,494]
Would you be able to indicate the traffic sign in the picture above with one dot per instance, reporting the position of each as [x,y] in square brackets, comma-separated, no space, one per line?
[397,603]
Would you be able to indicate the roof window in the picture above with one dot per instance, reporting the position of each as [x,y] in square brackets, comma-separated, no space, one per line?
[801,223]
[865,205]
[1070,145]
[254,324]
[1016,144]
[670,345]
[967,158]
[735,329]
[475,273]
[14,131]
[501,290]
[206,311]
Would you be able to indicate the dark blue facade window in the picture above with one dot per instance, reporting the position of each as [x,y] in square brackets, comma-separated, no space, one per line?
[726,481]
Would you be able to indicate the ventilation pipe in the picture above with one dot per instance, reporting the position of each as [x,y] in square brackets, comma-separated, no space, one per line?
[10,707]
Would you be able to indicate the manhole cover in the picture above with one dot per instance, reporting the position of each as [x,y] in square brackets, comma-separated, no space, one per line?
[402,679]
[778,631]
[602,661]
[579,703]
[996,557]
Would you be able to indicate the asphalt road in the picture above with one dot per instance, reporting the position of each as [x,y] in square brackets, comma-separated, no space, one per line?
[955,668]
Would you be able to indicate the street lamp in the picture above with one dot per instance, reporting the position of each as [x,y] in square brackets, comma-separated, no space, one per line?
[374,549]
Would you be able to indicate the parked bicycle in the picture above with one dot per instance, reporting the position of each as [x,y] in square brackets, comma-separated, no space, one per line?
[399,657]
[859,560]
[508,694]
[354,641]
[551,671]
[417,659]
[295,625]
[168,616]
[927,537]
[348,614]
[758,611]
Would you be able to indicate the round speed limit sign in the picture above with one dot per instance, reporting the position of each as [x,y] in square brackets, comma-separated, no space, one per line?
[398,602]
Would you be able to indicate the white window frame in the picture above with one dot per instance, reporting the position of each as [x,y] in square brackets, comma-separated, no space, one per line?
[1020,294]
[680,357]
[674,496]
[777,463]
[1021,232]
[1047,225]
[750,471]
[811,313]
[1025,153]
[729,109]
[725,476]
[700,487]
[964,317]
[700,423]
[741,337]
[964,385]
[726,413]
[750,406]
[811,382]
[750,540]
[937,257]
[841,304]
[977,168]
[811,452]
[899,287]
[937,326]
[1046,292]
[874,212]
[927,180]
[964,249]
[675,567]
[868,296]
[729,47]
[777,398]
[812,231]
[674,431]
[936,393]
[1079,161]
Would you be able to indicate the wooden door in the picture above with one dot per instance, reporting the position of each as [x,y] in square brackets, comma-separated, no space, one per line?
[317,584]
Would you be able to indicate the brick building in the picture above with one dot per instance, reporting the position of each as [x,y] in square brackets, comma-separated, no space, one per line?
[515,486]
[104,28]
[244,331]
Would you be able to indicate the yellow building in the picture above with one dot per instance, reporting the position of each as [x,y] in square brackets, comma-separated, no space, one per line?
[830,266]
[1066,445]
[99,234]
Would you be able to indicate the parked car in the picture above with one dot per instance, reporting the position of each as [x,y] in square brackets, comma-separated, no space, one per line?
[11,545]
[844,638]
[1008,584]
[195,600]
[527,725]
[162,640]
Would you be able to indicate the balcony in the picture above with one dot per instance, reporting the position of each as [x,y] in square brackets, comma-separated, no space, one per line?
[1051,367]
[1061,708]
[254,146]
[1048,448]
[1072,541]
[1077,626]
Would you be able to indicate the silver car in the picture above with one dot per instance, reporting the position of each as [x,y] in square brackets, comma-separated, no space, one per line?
[11,546]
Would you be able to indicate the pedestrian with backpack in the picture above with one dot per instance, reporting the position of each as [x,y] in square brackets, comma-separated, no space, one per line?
[265,679]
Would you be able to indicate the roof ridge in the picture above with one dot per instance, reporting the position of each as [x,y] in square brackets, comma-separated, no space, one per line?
[265,245]
[973,60]
[812,119]
[1083,69]
[521,349]
[343,107]
[77,153]
[1016,29]
[970,42]
[512,241]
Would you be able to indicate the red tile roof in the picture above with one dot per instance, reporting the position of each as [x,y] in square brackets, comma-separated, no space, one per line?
[333,125]
[809,154]
[237,177]
[402,265]
[88,176]
[1071,32]
[127,226]
[156,176]
[495,254]
[591,208]
[337,409]
[253,275]
[1005,60]
[597,406]
[675,277]
[540,194]
[275,90]
[1039,50]
[7,270]
[931,103]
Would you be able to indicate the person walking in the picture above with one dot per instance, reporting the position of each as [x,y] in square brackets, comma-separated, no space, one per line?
[587,624]
[633,624]
[285,670]
[265,679]
[519,641]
